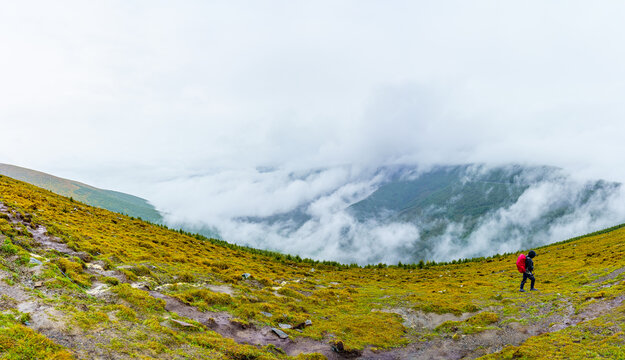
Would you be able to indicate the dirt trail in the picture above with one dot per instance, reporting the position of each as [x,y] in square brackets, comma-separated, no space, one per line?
[221,322]
[610,276]
[44,318]
[490,341]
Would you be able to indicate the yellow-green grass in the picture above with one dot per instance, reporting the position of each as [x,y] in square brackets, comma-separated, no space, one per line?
[20,342]
[342,302]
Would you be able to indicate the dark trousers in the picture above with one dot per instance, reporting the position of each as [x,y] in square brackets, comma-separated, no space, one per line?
[528,276]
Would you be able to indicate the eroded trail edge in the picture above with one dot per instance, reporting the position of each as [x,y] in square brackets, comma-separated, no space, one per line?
[49,321]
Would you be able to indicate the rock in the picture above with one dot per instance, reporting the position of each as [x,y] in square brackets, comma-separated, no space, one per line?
[38,284]
[98,289]
[285,326]
[266,314]
[246,276]
[35,261]
[303,324]
[95,267]
[280,333]
[141,285]
[182,323]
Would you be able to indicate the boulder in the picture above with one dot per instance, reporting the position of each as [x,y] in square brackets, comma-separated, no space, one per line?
[280,333]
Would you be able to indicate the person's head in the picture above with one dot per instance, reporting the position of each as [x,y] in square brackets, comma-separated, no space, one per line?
[532,253]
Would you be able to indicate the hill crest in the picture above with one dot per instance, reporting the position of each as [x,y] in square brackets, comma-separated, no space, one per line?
[106,199]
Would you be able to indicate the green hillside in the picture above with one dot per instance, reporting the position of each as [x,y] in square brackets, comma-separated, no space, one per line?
[444,195]
[82,282]
[466,195]
[106,199]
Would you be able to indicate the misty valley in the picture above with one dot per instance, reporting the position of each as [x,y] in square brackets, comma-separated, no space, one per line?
[439,213]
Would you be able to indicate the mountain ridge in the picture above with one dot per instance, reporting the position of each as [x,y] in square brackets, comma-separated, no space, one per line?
[107,199]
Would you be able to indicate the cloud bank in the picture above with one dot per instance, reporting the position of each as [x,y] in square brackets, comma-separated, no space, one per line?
[307,214]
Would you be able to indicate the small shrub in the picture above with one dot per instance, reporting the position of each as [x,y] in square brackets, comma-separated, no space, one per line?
[126,313]
[483,318]
[141,270]
[8,247]
[20,342]
[110,280]
[139,299]
[203,298]
[129,274]
[74,271]
[185,277]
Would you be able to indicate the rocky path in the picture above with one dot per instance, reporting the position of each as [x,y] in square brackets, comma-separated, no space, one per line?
[491,341]
[44,317]
[220,322]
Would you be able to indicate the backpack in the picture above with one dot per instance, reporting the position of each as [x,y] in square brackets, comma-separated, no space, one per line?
[520,263]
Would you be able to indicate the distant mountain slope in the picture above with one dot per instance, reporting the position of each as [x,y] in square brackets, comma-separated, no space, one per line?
[106,199]
[409,213]
[460,189]
[464,197]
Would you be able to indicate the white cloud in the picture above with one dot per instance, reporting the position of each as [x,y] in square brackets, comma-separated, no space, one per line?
[523,224]
[198,84]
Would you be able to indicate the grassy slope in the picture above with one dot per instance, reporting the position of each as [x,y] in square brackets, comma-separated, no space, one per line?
[340,300]
[107,199]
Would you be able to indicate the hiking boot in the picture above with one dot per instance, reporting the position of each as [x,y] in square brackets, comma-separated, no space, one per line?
[522,290]
[532,289]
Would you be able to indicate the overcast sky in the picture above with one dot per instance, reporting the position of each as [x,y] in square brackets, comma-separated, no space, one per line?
[115,92]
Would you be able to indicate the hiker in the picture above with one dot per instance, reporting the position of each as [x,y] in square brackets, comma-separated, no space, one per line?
[525,264]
